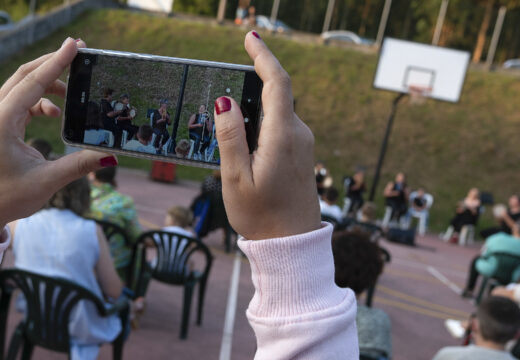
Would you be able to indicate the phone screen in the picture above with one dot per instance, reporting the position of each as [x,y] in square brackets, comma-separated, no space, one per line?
[155,107]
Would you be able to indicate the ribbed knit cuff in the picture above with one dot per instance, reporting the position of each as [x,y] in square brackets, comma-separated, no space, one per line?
[293,275]
[5,240]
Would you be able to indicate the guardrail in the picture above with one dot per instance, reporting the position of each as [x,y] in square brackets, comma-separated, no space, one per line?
[14,40]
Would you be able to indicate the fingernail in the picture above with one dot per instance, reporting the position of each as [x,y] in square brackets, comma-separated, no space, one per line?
[78,40]
[67,39]
[255,34]
[108,161]
[222,105]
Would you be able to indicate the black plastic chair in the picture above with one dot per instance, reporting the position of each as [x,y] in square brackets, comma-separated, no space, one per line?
[114,233]
[49,305]
[506,265]
[171,267]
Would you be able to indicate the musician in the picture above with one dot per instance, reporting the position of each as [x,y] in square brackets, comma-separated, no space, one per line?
[200,129]
[160,120]
[108,114]
[124,120]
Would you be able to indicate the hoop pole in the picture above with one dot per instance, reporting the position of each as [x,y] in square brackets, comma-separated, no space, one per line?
[382,153]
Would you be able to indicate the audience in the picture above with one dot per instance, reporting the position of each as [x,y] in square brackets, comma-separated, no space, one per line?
[358,263]
[58,241]
[485,263]
[143,142]
[420,203]
[368,213]
[467,213]
[497,322]
[110,205]
[506,218]
[323,178]
[328,205]
[396,196]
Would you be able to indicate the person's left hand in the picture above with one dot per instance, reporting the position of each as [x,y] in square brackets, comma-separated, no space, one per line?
[27,180]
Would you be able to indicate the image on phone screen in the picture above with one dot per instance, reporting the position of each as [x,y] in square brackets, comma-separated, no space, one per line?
[160,108]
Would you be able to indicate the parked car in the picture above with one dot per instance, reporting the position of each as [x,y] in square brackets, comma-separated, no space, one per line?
[512,64]
[263,22]
[5,21]
[344,36]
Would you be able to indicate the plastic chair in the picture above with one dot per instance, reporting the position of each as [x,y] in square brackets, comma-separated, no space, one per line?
[507,265]
[171,267]
[117,237]
[49,305]
[422,216]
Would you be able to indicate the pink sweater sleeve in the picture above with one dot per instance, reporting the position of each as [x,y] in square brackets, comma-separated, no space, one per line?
[297,311]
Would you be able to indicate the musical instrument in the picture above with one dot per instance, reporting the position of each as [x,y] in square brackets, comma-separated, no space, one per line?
[118,106]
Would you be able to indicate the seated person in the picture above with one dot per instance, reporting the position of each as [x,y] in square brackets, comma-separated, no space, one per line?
[466,213]
[143,142]
[42,146]
[328,205]
[485,264]
[506,219]
[109,205]
[124,119]
[160,121]
[368,213]
[323,178]
[358,263]
[354,189]
[94,120]
[419,205]
[200,128]
[182,149]
[108,115]
[57,241]
[396,196]
[497,322]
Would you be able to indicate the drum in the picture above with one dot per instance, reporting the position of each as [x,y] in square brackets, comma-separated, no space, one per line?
[133,112]
[119,106]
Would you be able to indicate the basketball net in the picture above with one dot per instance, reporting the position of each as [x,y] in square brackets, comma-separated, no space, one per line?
[418,94]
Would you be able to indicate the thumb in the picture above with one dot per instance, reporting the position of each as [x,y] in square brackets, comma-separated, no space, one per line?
[73,166]
[231,136]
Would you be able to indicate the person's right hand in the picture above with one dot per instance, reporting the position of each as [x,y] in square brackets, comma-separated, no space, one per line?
[271,193]
[27,180]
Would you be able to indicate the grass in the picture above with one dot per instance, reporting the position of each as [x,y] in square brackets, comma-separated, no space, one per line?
[446,148]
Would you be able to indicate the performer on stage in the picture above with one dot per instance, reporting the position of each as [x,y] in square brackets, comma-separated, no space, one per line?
[124,120]
[108,115]
[160,120]
[200,127]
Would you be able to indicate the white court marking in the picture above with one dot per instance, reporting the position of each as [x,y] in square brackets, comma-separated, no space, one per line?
[444,280]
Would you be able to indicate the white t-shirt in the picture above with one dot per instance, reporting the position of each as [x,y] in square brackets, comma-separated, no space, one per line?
[135,145]
[333,211]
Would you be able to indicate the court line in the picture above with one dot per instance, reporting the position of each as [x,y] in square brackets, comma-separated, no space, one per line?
[444,280]
[420,301]
[422,266]
[406,274]
[416,309]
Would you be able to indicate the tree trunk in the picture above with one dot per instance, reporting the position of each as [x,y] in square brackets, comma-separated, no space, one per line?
[364,17]
[481,39]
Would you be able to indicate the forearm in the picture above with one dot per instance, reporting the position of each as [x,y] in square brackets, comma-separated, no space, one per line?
[297,310]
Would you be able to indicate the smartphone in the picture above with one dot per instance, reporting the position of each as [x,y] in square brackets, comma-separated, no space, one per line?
[155,107]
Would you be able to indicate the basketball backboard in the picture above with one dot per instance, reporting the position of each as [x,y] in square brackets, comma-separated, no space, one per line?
[164,6]
[439,71]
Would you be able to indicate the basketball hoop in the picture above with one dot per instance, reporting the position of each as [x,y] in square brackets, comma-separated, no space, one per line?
[418,94]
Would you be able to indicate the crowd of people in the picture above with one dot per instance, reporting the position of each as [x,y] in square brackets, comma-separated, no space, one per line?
[304,305]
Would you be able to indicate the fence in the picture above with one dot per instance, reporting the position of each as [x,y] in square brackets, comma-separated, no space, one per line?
[41,26]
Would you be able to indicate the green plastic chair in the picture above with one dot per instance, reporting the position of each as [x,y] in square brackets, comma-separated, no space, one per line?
[49,304]
[171,267]
[507,265]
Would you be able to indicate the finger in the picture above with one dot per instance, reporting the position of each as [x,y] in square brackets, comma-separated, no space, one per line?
[45,107]
[22,72]
[277,85]
[232,143]
[60,172]
[57,88]
[29,91]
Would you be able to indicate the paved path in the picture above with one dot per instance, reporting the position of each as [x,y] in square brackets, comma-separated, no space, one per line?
[416,289]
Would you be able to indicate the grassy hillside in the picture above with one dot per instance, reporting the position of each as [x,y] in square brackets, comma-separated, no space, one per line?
[444,147]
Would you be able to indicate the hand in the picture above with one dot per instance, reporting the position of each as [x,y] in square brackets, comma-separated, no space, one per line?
[271,193]
[27,180]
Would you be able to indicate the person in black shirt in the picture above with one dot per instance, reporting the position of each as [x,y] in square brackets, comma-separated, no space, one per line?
[508,220]
[124,119]
[108,116]
[200,129]
[396,196]
[160,120]
[354,189]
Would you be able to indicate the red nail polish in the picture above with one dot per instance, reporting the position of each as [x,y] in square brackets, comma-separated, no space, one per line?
[108,161]
[255,34]
[222,105]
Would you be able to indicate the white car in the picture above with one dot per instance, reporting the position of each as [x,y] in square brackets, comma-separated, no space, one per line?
[263,22]
[344,36]
[512,64]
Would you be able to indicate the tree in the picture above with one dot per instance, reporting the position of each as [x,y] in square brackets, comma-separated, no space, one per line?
[484,26]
